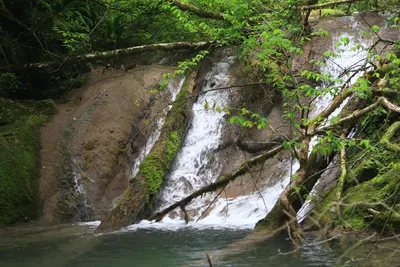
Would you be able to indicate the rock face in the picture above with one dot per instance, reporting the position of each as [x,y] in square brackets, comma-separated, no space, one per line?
[85,153]
[134,204]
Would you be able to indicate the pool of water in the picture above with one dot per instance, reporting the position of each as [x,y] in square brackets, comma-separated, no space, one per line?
[77,245]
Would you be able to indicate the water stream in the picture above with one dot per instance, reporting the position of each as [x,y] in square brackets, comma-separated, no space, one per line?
[195,165]
[348,59]
[193,168]
[173,89]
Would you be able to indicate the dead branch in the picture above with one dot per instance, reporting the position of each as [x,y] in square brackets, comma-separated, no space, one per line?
[116,53]
[329,4]
[255,147]
[195,10]
[343,169]
[382,101]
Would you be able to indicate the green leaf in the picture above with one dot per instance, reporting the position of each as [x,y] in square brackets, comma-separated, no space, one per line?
[375,28]
[345,40]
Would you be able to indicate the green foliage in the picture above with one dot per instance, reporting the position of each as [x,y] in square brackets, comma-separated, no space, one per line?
[183,68]
[248,119]
[331,12]
[9,84]
[20,159]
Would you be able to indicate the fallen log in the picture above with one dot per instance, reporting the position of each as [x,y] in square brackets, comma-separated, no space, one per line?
[115,54]
[195,10]
[329,4]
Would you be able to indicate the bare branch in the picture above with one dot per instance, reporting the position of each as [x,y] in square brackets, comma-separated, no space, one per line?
[329,4]
[195,10]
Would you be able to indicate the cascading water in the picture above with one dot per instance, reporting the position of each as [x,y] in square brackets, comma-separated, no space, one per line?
[173,90]
[349,59]
[194,166]
[84,207]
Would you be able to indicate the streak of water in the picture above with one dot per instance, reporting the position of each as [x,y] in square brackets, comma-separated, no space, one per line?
[155,135]
[195,166]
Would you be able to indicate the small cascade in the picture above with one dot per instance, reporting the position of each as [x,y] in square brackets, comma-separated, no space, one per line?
[195,166]
[83,205]
[173,89]
[246,211]
[348,59]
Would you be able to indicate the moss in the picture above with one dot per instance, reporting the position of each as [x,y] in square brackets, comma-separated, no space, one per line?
[331,12]
[272,221]
[45,107]
[370,179]
[156,164]
[153,171]
[19,161]
[373,164]
[378,193]
[381,189]
[388,136]
[172,145]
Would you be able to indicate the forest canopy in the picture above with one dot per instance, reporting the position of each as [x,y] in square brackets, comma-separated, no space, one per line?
[35,31]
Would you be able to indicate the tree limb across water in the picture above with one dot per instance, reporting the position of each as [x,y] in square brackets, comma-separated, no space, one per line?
[222,181]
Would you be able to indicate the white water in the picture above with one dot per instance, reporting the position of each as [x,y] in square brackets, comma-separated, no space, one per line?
[194,166]
[348,59]
[173,89]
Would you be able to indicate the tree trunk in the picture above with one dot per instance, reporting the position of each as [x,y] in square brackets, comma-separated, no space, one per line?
[329,4]
[117,53]
[195,10]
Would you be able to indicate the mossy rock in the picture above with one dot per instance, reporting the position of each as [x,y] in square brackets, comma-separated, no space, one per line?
[46,107]
[136,201]
[19,161]
[379,193]
[156,165]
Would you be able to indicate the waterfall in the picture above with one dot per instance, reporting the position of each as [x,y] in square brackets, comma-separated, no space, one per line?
[84,207]
[195,166]
[348,59]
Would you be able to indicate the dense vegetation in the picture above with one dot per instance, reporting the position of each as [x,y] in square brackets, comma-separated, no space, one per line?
[39,37]
[20,124]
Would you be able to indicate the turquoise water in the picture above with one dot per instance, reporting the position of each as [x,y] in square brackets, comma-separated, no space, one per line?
[77,246]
